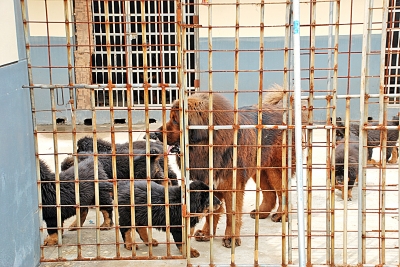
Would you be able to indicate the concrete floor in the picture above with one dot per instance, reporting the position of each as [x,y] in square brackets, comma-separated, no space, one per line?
[270,233]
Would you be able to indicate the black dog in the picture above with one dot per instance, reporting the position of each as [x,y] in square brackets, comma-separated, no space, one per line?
[373,137]
[122,164]
[352,165]
[199,203]
[85,144]
[67,196]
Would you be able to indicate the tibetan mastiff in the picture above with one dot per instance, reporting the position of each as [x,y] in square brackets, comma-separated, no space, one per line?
[352,165]
[68,202]
[199,204]
[85,144]
[122,164]
[374,138]
[272,148]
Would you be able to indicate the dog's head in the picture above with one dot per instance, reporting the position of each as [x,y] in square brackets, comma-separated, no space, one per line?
[140,165]
[200,198]
[86,144]
[198,111]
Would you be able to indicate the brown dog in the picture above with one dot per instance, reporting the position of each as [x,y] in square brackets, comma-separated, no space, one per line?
[223,153]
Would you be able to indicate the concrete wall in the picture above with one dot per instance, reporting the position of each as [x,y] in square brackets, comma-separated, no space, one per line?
[19,222]
[223,34]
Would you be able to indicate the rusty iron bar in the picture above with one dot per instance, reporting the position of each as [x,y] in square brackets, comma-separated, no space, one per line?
[298,133]
[67,17]
[259,135]
[364,90]
[186,233]
[211,122]
[287,138]
[235,134]
[331,193]
[146,115]
[309,131]
[56,171]
[383,121]
[25,23]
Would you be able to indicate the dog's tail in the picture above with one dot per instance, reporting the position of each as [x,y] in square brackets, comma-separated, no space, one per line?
[274,95]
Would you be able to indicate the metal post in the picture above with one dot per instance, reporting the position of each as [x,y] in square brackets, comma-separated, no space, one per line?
[298,130]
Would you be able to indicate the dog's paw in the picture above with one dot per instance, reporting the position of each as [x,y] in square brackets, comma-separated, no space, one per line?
[276,217]
[201,237]
[51,240]
[154,243]
[106,225]
[227,242]
[194,253]
[261,215]
[128,246]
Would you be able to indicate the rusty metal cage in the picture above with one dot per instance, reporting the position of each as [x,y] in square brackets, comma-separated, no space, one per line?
[197,76]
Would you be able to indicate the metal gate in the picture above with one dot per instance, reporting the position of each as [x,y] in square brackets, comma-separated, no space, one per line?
[92,59]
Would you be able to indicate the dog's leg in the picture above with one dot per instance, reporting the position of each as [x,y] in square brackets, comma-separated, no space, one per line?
[204,234]
[227,240]
[107,223]
[128,240]
[74,226]
[142,231]
[51,239]
[269,198]
[349,194]
[193,252]
[395,155]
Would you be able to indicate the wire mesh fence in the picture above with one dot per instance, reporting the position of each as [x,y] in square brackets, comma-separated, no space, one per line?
[132,101]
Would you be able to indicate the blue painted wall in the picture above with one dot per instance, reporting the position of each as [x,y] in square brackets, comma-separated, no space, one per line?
[19,220]
[223,75]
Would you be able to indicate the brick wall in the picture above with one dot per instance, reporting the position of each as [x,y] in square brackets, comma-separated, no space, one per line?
[83,51]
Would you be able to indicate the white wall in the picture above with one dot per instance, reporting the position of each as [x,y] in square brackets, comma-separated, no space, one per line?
[8,45]
[274,17]
[55,15]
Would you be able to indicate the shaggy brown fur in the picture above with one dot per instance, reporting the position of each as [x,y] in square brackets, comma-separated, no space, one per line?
[223,140]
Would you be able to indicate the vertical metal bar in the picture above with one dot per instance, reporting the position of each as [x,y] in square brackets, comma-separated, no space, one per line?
[329,159]
[235,130]
[48,42]
[310,131]
[128,72]
[67,16]
[383,109]
[185,172]
[146,111]
[364,90]
[184,88]
[259,134]
[289,135]
[211,121]
[331,196]
[298,130]
[24,10]
[56,171]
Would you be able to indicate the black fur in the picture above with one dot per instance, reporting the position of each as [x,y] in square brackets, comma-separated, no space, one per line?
[199,203]
[352,162]
[122,164]
[373,136]
[67,192]
[86,144]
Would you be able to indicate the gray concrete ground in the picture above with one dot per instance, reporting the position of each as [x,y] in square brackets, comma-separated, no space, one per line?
[270,239]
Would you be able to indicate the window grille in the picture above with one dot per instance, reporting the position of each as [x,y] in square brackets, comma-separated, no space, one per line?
[126,38]
[393,52]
